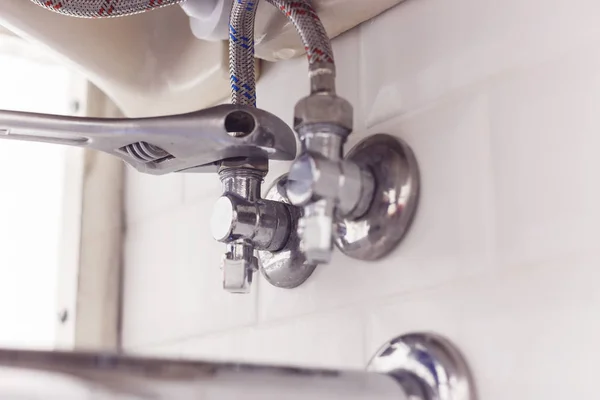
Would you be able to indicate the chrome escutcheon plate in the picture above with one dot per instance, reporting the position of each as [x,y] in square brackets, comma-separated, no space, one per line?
[286,268]
[385,224]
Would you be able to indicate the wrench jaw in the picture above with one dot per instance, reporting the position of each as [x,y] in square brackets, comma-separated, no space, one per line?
[195,163]
[221,133]
[192,142]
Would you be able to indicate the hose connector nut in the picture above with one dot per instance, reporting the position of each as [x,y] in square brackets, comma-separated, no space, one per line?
[323,108]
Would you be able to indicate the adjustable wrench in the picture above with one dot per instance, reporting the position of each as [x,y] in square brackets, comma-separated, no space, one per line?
[192,142]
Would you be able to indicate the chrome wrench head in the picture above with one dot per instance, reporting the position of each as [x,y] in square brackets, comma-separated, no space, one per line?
[192,142]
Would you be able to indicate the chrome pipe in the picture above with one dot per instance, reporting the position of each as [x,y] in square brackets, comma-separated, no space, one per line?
[415,367]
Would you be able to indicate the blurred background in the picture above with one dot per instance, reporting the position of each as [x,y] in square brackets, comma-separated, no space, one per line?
[32,178]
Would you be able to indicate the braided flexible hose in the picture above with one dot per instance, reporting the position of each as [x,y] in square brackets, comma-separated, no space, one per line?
[241,52]
[103,8]
[241,44]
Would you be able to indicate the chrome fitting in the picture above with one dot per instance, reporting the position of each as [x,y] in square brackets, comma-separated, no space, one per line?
[322,77]
[313,177]
[264,223]
[320,181]
[316,231]
[246,222]
[326,189]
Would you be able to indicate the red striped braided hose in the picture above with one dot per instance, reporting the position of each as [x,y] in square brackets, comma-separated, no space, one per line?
[241,44]
[103,8]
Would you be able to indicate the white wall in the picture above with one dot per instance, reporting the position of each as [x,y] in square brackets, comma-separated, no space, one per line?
[501,102]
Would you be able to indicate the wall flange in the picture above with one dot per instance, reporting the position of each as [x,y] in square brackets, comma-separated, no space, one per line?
[394,205]
[371,236]
[286,268]
[427,366]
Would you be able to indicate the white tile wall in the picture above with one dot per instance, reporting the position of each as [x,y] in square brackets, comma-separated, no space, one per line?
[149,195]
[499,100]
[177,291]
[294,341]
[527,334]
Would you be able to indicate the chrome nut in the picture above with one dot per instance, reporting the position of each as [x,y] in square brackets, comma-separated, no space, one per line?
[260,164]
[316,232]
[322,77]
[323,108]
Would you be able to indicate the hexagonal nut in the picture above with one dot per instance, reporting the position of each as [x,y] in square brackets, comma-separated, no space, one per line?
[255,164]
[323,109]
[316,238]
